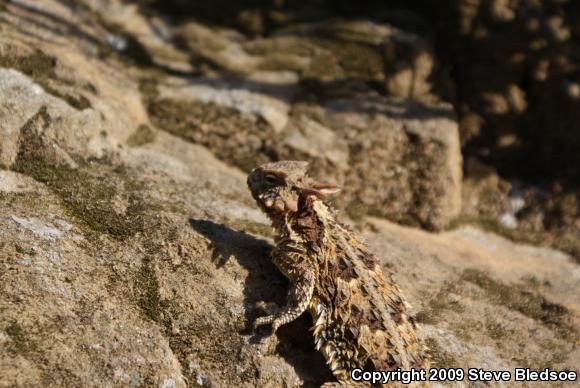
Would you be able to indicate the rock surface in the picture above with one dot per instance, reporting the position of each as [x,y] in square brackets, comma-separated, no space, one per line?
[131,253]
[518,104]
[302,86]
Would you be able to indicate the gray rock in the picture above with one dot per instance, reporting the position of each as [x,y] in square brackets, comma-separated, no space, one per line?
[405,161]
[139,265]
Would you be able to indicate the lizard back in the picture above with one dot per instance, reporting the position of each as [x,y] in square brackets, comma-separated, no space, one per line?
[360,315]
[361,319]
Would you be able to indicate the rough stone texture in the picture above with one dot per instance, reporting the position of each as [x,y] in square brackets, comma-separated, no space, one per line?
[404,161]
[406,153]
[132,257]
[519,96]
[527,213]
[313,82]
[492,304]
[409,64]
[518,103]
[517,99]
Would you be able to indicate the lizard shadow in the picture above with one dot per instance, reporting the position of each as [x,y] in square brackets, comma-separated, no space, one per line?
[265,283]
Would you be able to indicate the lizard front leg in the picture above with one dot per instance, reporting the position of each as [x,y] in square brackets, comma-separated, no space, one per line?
[302,275]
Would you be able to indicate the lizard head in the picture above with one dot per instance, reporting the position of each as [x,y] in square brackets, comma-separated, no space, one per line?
[277,186]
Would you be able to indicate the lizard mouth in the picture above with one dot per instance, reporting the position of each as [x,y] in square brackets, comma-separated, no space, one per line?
[277,204]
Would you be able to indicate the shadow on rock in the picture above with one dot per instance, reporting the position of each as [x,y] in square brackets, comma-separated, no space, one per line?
[265,283]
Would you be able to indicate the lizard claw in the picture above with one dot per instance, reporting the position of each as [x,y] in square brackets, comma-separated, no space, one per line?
[275,325]
[263,321]
[268,307]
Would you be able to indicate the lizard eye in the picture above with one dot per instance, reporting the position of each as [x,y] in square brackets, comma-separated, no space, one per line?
[271,179]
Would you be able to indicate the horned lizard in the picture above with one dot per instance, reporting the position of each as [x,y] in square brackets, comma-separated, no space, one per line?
[360,317]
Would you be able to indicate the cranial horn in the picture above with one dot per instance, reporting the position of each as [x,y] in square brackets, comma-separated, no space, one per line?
[325,188]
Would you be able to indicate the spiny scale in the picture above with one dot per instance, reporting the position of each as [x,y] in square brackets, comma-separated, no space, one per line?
[360,314]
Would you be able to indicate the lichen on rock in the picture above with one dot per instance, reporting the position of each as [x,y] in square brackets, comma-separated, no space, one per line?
[132,254]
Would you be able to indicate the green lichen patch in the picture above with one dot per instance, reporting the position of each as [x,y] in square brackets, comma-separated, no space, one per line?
[20,342]
[496,330]
[199,339]
[356,211]
[42,69]
[525,301]
[493,225]
[148,86]
[558,239]
[52,374]
[354,60]
[25,249]
[79,102]
[28,200]
[242,139]
[89,192]
[38,66]
[192,339]
[439,304]
[143,135]
[568,244]
[439,357]
[88,198]
[251,227]
[148,288]
[319,58]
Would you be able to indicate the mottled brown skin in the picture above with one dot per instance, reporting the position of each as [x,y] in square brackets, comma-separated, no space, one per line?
[360,317]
